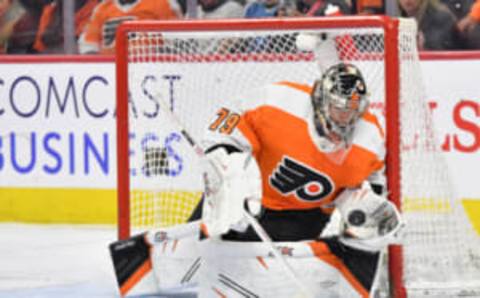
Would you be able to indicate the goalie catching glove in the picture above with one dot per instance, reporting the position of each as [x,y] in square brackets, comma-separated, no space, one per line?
[231,181]
[371,222]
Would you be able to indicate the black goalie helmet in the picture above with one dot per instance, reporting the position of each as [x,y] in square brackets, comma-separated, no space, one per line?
[339,99]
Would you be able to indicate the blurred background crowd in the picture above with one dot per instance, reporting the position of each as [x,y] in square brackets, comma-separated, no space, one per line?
[89,26]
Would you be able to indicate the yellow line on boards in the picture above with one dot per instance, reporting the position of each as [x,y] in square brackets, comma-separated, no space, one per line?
[58,205]
[442,205]
[99,206]
[472,207]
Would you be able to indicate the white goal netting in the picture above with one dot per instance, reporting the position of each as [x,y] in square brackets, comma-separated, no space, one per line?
[197,70]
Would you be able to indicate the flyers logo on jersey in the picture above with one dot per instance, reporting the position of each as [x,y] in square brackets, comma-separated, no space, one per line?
[307,184]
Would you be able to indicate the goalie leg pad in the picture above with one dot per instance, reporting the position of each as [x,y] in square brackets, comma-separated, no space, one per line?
[133,266]
[361,265]
[158,261]
[176,264]
[242,269]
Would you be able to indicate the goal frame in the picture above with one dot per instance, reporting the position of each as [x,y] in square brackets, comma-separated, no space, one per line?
[392,93]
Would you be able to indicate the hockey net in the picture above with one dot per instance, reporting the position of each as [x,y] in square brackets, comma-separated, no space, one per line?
[197,68]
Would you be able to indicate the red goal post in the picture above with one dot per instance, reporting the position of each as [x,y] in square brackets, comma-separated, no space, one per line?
[196,64]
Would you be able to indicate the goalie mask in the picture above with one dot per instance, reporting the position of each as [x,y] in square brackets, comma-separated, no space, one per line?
[339,100]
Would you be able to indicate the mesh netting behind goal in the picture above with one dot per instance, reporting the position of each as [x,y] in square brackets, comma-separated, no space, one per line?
[197,68]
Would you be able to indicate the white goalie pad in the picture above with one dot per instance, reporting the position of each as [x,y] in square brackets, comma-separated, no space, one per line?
[183,264]
[160,262]
[176,264]
[240,269]
[175,258]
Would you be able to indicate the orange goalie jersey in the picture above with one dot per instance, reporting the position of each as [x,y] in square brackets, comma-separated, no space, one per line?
[99,34]
[276,125]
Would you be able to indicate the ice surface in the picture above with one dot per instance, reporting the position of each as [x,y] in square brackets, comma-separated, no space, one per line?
[56,261]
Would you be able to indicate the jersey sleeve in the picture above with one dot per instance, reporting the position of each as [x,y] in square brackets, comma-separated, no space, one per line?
[91,36]
[237,123]
[234,129]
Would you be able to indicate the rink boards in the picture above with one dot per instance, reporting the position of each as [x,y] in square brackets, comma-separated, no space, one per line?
[57,142]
